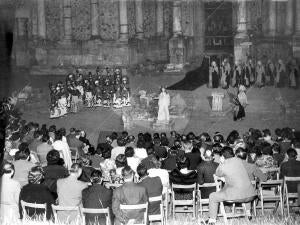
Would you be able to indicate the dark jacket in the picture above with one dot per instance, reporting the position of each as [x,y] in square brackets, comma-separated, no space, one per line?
[97,197]
[169,163]
[128,194]
[154,188]
[291,168]
[177,177]
[194,158]
[36,193]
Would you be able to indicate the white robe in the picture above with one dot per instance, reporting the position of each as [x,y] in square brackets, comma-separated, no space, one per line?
[64,152]
[163,107]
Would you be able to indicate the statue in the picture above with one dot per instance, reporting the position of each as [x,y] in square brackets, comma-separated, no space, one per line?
[163,106]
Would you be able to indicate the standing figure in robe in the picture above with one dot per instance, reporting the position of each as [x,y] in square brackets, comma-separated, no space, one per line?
[237,73]
[250,70]
[293,74]
[242,96]
[214,75]
[225,74]
[260,74]
[280,74]
[163,106]
[270,73]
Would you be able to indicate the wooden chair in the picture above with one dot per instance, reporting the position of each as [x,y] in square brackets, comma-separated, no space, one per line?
[74,154]
[105,211]
[34,206]
[204,201]
[271,170]
[56,208]
[288,195]
[162,216]
[182,203]
[274,188]
[138,207]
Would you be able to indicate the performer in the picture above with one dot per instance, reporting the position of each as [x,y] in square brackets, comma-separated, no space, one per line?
[238,110]
[280,74]
[73,97]
[214,75]
[125,89]
[62,99]
[237,73]
[225,74]
[260,74]
[163,106]
[270,73]
[250,71]
[98,93]
[88,90]
[293,74]
[242,97]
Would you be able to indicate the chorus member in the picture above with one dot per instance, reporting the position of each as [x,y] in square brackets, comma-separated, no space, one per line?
[260,74]
[280,74]
[214,74]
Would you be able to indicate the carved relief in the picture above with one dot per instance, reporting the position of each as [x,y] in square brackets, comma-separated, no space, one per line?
[109,19]
[52,16]
[149,15]
[131,18]
[81,19]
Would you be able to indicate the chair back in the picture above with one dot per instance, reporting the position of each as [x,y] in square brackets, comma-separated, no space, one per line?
[183,187]
[161,216]
[105,211]
[34,206]
[271,170]
[143,206]
[206,185]
[56,208]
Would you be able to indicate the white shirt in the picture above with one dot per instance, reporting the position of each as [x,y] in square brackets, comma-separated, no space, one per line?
[117,151]
[140,153]
[64,152]
[133,162]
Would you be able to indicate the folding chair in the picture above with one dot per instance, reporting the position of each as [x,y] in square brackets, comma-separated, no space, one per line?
[271,170]
[74,154]
[105,211]
[34,206]
[271,191]
[138,207]
[158,217]
[182,203]
[204,201]
[288,195]
[56,208]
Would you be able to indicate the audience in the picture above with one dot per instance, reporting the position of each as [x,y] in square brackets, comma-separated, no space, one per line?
[43,148]
[36,192]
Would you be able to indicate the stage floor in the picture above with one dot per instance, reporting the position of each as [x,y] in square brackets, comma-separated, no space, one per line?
[268,108]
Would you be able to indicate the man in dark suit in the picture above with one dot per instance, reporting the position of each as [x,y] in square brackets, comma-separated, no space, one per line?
[291,168]
[129,193]
[153,186]
[96,197]
[206,170]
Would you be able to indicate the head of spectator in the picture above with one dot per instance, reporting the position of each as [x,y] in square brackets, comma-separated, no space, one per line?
[296,144]
[52,128]
[121,161]
[156,141]
[63,131]
[72,130]
[150,151]
[23,153]
[53,158]
[142,171]
[278,133]
[45,137]
[232,137]
[140,136]
[276,148]
[130,139]
[114,136]
[121,142]
[187,146]
[227,153]
[106,154]
[292,154]
[173,134]
[267,150]
[191,136]
[218,138]
[140,143]
[38,135]
[156,136]
[163,135]
[124,135]
[8,170]
[267,134]
[164,141]
[108,140]
[127,174]
[205,137]
[16,137]
[183,162]
[208,155]
[147,137]
[58,135]
[241,153]
[177,144]
[129,152]
[76,170]
[36,175]
[96,177]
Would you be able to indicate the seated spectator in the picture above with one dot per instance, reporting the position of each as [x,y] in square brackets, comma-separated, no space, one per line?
[120,149]
[265,160]
[10,191]
[67,197]
[87,169]
[252,169]
[107,164]
[36,192]
[162,174]
[36,141]
[172,138]
[277,156]
[267,137]
[54,171]
[217,151]
[140,151]
[237,186]
[96,196]
[153,187]
[158,149]
[296,146]
[193,154]
[74,142]
[22,164]
[205,171]
[291,168]
[132,161]
[43,149]
[181,175]
[149,160]
[63,148]
[169,163]
[129,193]
[131,142]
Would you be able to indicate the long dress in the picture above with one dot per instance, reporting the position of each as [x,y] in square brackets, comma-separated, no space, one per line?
[224,78]
[280,76]
[293,77]
[215,78]
[64,152]
[260,72]
[163,107]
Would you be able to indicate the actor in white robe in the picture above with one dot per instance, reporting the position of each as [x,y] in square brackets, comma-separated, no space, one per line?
[64,152]
[163,106]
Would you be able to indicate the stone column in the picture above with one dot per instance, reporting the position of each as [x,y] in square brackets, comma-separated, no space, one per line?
[123,21]
[240,48]
[94,17]
[272,18]
[296,39]
[289,21]
[139,19]
[41,19]
[67,21]
[34,20]
[176,18]
[160,17]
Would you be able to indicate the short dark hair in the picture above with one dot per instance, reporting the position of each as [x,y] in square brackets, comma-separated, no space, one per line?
[141,170]
[227,152]
[183,162]
[127,172]
[266,132]
[129,151]
[121,161]
[292,153]
[276,147]
[150,151]
[8,168]
[241,153]
[96,176]
[121,141]
[75,168]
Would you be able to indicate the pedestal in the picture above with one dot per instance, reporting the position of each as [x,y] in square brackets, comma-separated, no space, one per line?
[217,104]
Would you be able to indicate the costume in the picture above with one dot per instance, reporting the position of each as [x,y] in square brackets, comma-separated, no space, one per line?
[242,96]
[163,106]
[260,74]
[238,110]
[280,75]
